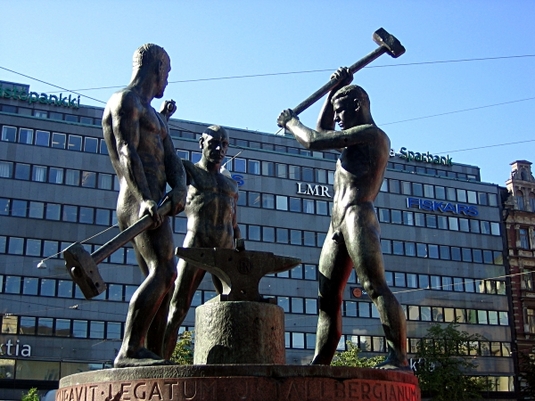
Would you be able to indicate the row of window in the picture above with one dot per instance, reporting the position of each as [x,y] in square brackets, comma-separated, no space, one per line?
[440,222]
[525,204]
[97,330]
[526,240]
[24,369]
[431,171]
[439,192]
[93,145]
[284,203]
[52,115]
[444,252]
[58,175]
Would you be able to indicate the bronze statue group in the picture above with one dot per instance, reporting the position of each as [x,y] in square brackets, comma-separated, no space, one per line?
[145,161]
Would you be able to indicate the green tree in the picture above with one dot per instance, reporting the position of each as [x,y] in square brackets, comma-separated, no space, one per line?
[351,358]
[183,353]
[527,375]
[31,395]
[445,363]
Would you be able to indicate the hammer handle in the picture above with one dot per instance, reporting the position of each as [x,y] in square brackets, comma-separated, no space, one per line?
[363,62]
[128,234]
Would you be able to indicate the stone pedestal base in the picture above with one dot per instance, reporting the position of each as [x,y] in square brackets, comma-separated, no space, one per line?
[234,332]
[239,382]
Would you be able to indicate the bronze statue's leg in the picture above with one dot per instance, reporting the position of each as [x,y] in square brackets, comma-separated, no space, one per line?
[334,270]
[156,248]
[188,280]
[365,251]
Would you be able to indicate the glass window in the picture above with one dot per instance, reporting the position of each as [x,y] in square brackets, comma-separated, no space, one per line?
[436,283]
[474,226]
[311,306]
[440,192]
[45,326]
[399,279]
[239,165]
[295,237]
[417,189]
[282,235]
[410,249]
[464,225]
[89,179]
[412,280]
[308,174]
[396,216]
[386,246]
[431,221]
[42,138]
[103,147]
[48,287]
[429,191]
[13,284]
[72,177]
[63,328]
[419,219]
[461,195]
[433,251]
[27,325]
[58,140]
[105,181]
[350,308]
[9,134]
[19,208]
[65,288]
[268,234]
[268,201]
[254,199]
[281,202]
[321,176]
[26,136]
[309,238]
[268,168]
[321,208]
[423,280]
[495,228]
[96,330]
[310,272]
[451,194]
[22,171]
[103,217]
[421,250]
[254,233]
[284,303]
[308,206]
[485,227]
[445,252]
[447,284]
[115,292]
[70,213]
[33,247]
[90,145]
[79,328]
[471,197]
[397,247]
[75,142]
[282,171]
[16,246]
[253,167]
[297,304]
[453,223]
[364,309]
[406,188]
[294,172]
[297,272]
[408,218]
[295,204]
[6,169]
[113,331]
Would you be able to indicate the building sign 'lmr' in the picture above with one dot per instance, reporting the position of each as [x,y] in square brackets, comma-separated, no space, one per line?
[313,190]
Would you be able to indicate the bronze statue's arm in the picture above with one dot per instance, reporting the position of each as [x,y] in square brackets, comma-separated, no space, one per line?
[176,176]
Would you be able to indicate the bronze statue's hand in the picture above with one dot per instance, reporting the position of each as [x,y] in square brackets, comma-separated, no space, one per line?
[285,117]
[149,207]
[177,196]
[168,108]
[344,77]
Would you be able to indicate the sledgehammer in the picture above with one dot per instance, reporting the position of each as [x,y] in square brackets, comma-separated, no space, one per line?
[82,265]
[387,44]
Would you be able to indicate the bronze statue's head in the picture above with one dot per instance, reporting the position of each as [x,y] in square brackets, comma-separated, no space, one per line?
[152,58]
[214,144]
[351,106]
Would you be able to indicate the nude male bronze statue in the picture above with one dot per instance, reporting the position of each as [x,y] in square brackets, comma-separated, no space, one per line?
[353,238]
[144,158]
[211,212]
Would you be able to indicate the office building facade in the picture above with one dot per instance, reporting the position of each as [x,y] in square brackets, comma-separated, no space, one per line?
[441,239]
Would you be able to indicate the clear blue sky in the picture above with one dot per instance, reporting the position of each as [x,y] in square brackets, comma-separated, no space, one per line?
[87,44]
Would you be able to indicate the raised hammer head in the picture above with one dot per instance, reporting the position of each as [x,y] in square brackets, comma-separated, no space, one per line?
[389,42]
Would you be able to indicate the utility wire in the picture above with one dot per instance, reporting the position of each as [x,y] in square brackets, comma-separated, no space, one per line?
[321,70]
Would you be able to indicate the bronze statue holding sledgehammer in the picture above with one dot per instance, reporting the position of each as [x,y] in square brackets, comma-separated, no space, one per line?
[353,238]
[144,158]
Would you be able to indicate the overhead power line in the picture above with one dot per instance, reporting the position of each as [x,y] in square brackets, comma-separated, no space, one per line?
[311,71]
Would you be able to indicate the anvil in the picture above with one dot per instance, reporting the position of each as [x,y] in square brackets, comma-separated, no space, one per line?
[240,271]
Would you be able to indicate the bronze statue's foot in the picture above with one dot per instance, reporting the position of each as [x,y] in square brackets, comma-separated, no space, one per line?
[393,364]
[142,357]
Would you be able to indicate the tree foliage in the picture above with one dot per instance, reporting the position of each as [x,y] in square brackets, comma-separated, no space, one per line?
[183,353]
[351,358]
[527,375]
[446,362]
[31,395]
